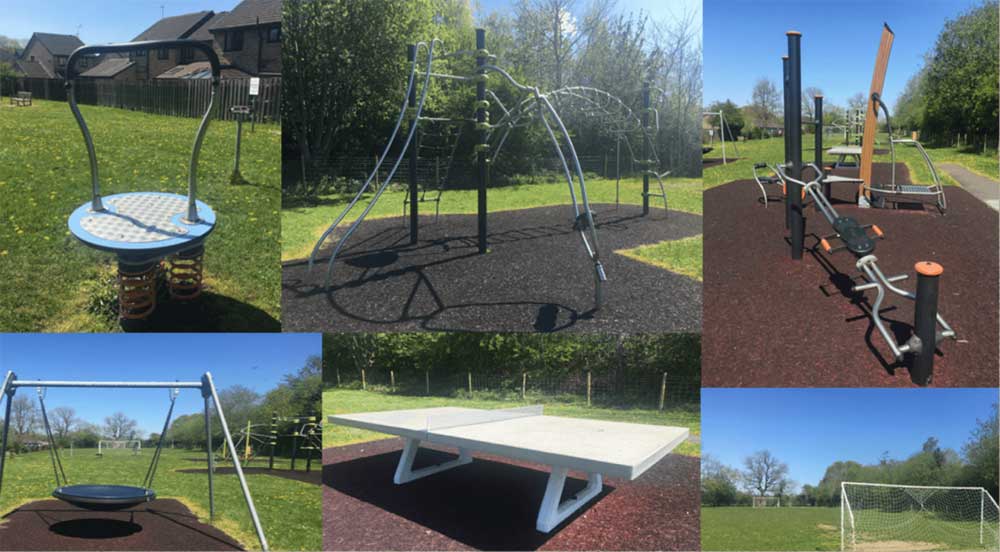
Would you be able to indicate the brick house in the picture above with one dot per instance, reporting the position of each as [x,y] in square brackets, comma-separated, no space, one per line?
[141,65]
[46,54]
[249,37]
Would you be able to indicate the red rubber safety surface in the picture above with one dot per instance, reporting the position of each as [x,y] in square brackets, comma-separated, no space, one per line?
[770,321]
[163,524]
[492,503]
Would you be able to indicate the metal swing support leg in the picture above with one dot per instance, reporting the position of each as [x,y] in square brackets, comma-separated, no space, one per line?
[554,510]
[405,472]
[208,392]
[6,391]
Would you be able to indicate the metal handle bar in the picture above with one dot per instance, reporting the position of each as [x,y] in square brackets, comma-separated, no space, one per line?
[82,51]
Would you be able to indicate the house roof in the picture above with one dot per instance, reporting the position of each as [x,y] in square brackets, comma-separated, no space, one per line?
[108,68]
[204,32]
[33,69]
[249,12]
[174,27]
[200,70]
[57,44]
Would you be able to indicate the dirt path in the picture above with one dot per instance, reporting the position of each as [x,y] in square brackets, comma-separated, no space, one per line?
[985,189]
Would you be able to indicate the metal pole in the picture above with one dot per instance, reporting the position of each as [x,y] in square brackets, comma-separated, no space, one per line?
[239,138]
[210,387]
[8,391]
[784,134]
[645,149]
[211,456]
[722,131]
[925,321]
[411,54]
[842,498]
[794,122]
[482,169]
[109,384]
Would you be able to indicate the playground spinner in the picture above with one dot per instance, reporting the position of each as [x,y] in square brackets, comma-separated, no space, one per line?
[930,328]
[535,107]
[146,229]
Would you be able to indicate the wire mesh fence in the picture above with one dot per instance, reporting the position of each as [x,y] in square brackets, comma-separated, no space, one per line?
[649,390]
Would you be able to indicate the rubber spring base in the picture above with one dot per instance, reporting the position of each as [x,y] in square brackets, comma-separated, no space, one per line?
[184,274]
[137,289]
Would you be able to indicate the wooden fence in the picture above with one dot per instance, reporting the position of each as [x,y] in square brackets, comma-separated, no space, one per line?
[174,97]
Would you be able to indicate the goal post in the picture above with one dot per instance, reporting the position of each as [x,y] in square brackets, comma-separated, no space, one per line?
[133,445]
[766,501]
[960,518]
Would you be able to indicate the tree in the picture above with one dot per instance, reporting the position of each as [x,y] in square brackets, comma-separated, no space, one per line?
[718,483]
[809,102]
[733,115]
[982,454]
[763,473]
[119,427]
[23,417]
[63,420]
[764,102]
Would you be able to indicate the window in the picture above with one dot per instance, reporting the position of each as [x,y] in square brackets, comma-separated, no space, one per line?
[234,41]
[140,53]
[274,34]
[187,55]
[163,53]
[60,61]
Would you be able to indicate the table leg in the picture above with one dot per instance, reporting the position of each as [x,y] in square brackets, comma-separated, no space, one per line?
[554,510]
[405,472]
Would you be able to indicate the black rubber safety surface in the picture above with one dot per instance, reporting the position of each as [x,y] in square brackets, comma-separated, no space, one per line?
[536,277]
[159,525]
[774,322]
[492,503]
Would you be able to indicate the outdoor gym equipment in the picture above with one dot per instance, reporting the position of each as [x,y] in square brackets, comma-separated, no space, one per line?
[412,110]
[850,235]
[306,436]
[118,497]
[144,228]
[723,130]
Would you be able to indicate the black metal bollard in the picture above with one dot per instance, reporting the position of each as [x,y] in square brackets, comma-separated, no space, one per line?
[925,321]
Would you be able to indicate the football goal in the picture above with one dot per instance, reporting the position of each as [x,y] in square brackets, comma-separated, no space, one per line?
[134,446]
[876,516]
[766,501]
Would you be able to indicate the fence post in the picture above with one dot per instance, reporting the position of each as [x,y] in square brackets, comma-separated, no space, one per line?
[588,387]
[470,383]
[364,384]
[427,382]
[392,380]
[524,383]
[337,372]
[663,390]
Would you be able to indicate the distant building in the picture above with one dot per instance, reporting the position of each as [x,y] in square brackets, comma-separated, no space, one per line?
[46,54]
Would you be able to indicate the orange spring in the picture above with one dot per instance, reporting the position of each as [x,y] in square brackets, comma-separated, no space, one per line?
[137,292]
[184,274]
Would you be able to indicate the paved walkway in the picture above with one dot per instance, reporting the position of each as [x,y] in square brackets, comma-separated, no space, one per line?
[985,189]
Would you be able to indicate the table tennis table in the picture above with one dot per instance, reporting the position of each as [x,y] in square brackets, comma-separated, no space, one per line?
[595,447]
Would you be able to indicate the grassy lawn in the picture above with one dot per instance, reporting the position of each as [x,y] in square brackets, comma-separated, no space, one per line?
[343,401]
[290,511]
[772,150]
[302,225]
[745,528]
[51,282]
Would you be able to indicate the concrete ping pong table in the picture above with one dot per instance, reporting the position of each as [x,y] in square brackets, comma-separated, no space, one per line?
[596,447]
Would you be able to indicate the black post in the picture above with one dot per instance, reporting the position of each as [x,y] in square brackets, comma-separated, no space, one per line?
[645,149]
[295,447]
[925,321]
[818,157]
[785,110]
[481,122]
[411,102]
[793,120]
[274,439]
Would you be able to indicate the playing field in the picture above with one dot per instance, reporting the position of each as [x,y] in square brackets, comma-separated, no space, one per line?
[289,510]
[744,528]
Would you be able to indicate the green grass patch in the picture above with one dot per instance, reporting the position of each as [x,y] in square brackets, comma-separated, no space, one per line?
[290,511]
[745,528]
[771,151]
[302,225]
[346,401]
[49,280]
[681,256]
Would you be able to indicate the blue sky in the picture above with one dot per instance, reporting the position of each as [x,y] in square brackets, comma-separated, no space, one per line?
[809,429]
[744,41]
[257,361]
[100,21]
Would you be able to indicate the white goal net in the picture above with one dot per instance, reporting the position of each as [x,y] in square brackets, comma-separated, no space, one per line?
[883,517]
[766,502]
[132,446]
